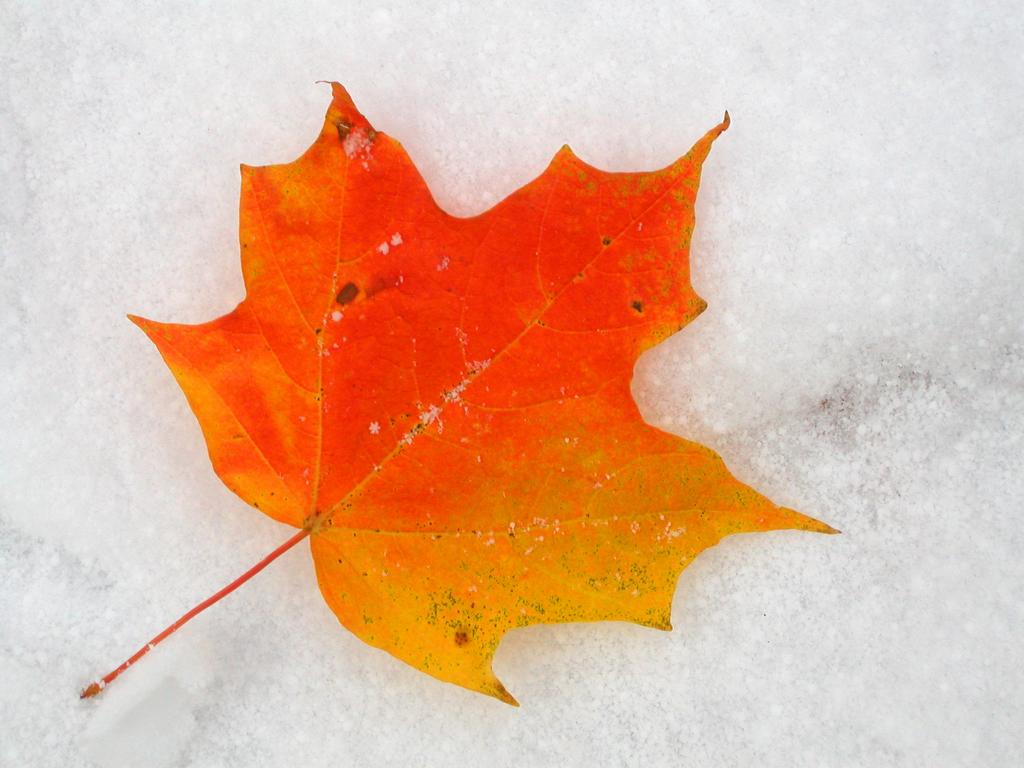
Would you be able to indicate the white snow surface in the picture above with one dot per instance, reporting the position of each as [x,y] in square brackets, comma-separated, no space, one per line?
[859,243]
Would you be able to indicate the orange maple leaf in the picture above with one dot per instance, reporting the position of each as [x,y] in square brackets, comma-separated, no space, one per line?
[442,404]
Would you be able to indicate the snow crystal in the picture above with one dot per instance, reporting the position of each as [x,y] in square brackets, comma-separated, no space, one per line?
[374,427]
[357,143]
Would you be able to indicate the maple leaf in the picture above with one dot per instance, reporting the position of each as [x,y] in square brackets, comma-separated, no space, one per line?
[443,404]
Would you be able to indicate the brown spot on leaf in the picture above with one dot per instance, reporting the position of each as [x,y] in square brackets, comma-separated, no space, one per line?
[638,306]
[386,281]
[461,638]
[348,293]
[606,241]
[344,128]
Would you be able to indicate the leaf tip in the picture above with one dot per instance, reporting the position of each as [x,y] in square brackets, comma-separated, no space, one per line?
[661,621]
[343,112]
[507,697]
[699,306]
[495,688]
[719,129]
[145,324]
[565,153]
[804,523]
[341,95]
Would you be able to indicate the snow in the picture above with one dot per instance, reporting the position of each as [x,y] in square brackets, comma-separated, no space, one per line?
[357,145]
[859,243]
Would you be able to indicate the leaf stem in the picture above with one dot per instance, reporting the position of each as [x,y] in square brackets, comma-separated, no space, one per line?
[96,687]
